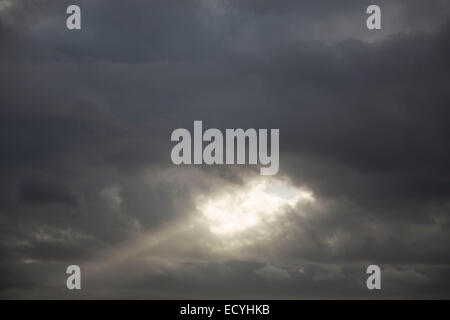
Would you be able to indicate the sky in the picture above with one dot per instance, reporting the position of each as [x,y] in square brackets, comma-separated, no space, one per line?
[87,179]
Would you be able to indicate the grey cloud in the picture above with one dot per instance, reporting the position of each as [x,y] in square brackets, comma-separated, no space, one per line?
[272,273]
[86,117]
[43,190]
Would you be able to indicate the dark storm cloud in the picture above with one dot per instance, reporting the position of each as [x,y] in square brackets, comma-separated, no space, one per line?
[44,190]
[85,152]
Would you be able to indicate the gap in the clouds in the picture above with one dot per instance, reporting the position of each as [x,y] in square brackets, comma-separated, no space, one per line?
[251,207]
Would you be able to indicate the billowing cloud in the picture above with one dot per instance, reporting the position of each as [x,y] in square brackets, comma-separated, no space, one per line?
[85,124]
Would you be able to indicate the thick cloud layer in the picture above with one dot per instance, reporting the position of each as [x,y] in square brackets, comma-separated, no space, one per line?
[87,179]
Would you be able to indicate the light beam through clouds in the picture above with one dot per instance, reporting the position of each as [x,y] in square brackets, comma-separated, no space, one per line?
[227,220]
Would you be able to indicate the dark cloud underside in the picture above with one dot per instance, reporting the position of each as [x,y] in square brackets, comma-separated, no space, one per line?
[85,123]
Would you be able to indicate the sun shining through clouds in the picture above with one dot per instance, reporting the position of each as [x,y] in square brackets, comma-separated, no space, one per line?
[227,224]
[253,206]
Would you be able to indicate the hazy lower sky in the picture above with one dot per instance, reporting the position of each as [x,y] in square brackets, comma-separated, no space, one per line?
[86,174]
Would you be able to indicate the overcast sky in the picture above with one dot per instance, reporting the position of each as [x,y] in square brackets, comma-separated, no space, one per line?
[86,174]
